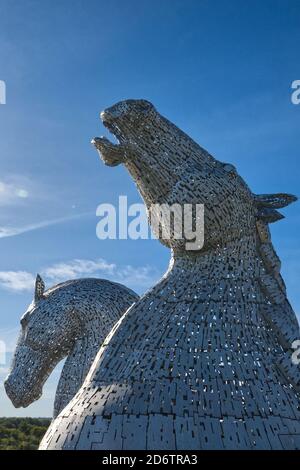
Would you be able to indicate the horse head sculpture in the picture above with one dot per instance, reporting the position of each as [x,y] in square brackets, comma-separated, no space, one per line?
[169,168]
[70,319]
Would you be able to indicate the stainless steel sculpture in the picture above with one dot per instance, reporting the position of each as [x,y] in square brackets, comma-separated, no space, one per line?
[202,360]
[70,319]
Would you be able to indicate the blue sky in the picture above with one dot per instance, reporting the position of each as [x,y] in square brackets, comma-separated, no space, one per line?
[220,70]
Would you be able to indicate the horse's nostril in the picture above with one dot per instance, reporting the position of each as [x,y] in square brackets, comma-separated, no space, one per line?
[7,382]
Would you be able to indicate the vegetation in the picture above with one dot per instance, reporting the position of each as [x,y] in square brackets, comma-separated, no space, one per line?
[22,433]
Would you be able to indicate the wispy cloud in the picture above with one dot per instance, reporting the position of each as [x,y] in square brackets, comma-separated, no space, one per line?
[142,276]
[13,231]
[17,281]
[24,202]
[138,278]
[76,268]
[12,192]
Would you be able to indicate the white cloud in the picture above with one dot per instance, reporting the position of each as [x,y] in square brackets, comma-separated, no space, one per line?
[16,280]
[141,276]
[137,278]
[134,277]
[22,193]
[11,192]
[77,268]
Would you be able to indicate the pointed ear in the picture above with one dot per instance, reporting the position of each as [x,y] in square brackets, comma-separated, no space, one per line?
[269,215]
[39,288]
[274,201]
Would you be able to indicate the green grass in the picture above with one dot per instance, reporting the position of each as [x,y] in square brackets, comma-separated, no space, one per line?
[22,433]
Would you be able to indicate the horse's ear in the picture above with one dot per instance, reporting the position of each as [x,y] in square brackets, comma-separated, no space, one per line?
[274,201]
[39,288]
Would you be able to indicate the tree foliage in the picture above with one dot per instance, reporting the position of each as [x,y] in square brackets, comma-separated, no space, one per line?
[22,433]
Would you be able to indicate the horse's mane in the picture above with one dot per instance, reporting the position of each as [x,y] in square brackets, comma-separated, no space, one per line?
[87,280]
[61,285]
[277,312]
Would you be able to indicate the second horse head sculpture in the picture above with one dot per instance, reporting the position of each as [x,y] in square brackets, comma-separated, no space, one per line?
[70,320]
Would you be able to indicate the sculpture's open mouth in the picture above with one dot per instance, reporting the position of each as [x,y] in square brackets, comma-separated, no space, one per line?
[108,151]
[111,154]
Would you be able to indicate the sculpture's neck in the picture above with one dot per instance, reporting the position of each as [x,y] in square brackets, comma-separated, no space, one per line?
[78,362]
[83,352]
[234,260]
